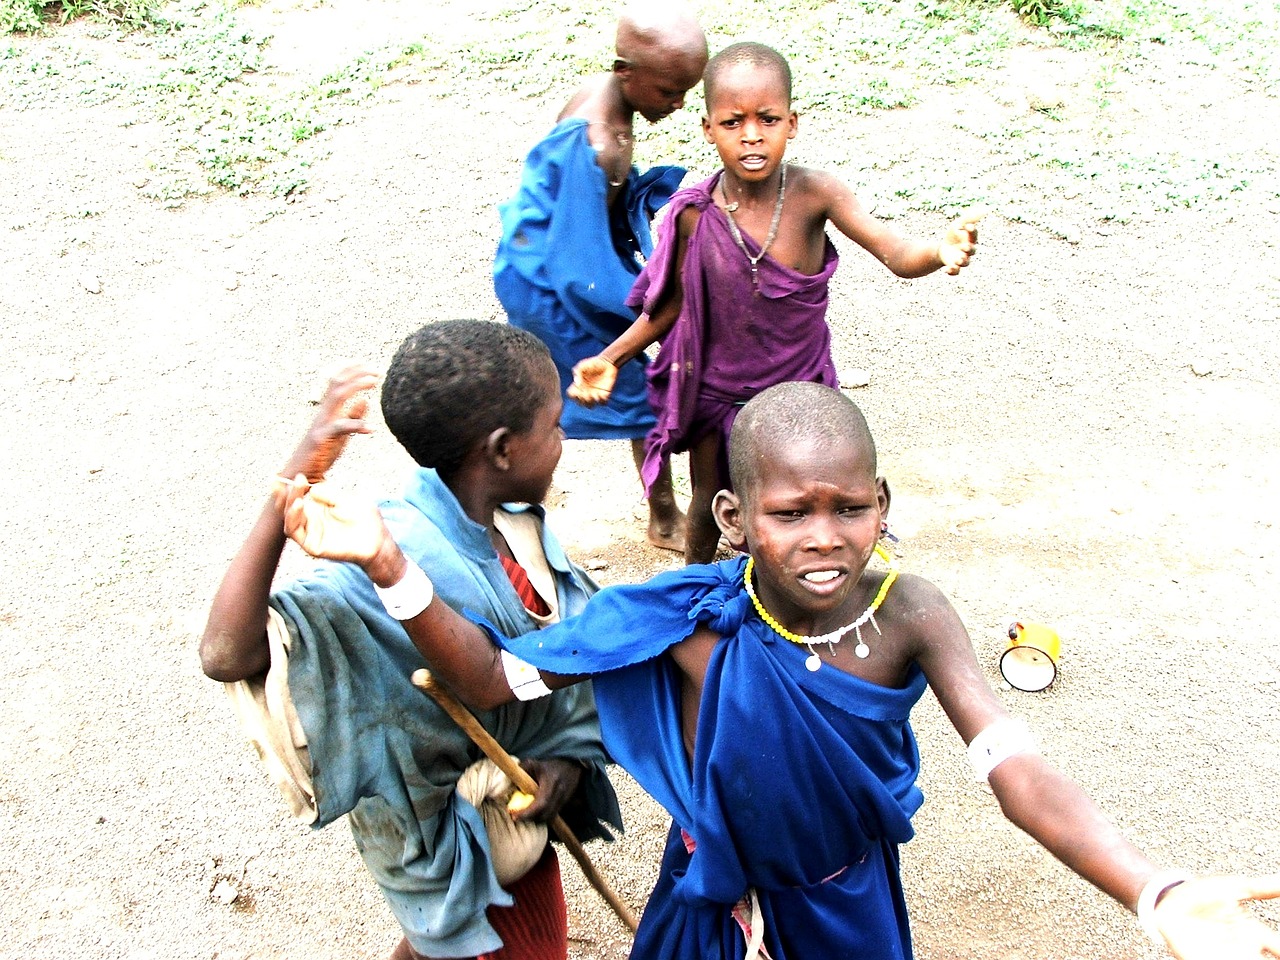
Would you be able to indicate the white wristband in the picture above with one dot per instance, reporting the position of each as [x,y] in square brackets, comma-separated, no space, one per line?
[523,678]
[997,743]
[410,595]
[1158,884]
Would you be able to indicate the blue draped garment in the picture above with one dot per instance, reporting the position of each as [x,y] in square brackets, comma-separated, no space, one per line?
[802,786]
[566,263]
[384,752]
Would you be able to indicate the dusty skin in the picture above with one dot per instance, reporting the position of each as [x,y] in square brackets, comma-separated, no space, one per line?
[1081,433]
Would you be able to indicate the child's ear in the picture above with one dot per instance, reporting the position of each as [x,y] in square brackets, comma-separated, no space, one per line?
[726,507]
[497,448]
[706,130]
[622,67]
[883,497]
[793,125]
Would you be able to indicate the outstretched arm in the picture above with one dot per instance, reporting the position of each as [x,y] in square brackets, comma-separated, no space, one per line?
[461,654]
[905,258]
[594,377]
[1202,918]
[234,645]
[1199,919]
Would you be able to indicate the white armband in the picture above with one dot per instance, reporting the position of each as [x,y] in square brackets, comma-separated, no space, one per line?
[1151,891]
[408,596]
[523,678]
[997,743]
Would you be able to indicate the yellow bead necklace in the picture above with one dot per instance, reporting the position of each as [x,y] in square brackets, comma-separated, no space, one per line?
[834,637]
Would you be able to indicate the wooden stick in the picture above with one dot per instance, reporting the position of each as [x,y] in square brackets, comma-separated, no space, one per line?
[423,680]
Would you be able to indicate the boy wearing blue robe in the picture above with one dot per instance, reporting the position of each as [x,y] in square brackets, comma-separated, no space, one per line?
[576,234]
[325,691]
[764,702]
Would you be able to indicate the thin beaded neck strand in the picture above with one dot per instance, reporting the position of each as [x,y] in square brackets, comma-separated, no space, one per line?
[835,636]
[729,208]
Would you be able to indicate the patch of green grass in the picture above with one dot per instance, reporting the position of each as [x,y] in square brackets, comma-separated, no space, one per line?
[197,78]
[30,16]
[21,16]
[197,70]
[1044,12]
[247,141]
[1100,183]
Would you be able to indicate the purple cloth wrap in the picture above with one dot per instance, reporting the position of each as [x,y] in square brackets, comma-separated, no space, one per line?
[730,341]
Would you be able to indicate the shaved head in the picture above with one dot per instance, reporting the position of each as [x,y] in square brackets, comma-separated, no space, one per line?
[650,33]
[755,55]
[791,412]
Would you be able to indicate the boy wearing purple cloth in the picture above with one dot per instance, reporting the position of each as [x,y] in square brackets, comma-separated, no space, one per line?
[736,288]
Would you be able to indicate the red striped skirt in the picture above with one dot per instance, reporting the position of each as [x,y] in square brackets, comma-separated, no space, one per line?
[536,926]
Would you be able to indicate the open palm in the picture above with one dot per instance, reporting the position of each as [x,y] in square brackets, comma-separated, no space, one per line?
[1206,919]
[325,527]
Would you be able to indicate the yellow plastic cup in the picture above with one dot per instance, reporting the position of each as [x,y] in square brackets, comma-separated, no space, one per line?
[1030,661]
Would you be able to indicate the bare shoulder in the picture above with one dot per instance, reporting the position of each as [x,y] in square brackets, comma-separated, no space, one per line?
[930,632]
[819,196]
[816,185]
[917,602]
[923,621]
[807,178]
[588,102]
[687,220]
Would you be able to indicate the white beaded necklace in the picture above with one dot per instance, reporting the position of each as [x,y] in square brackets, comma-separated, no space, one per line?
[813,662]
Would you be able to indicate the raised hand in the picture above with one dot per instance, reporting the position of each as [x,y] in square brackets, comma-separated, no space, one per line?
[959,243]
[1207,919]
[315,520]
[593,380]
[341,414]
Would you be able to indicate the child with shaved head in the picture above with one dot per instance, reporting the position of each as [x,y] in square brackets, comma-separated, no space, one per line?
[764,701]
[737,287]
[577,233]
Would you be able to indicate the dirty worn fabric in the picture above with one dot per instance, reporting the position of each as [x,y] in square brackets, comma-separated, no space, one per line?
[730,340]
[269,721]
[802,786]
[566,263]
[382,753]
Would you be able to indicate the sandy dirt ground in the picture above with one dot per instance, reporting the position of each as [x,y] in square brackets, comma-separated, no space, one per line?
[1081,430]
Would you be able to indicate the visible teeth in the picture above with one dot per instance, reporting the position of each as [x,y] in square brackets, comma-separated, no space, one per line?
[821,576]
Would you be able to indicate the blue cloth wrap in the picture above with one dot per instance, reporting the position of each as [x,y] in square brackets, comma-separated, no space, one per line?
[566,263]
[803,784]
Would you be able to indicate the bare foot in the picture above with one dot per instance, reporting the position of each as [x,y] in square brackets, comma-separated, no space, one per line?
[666,532]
